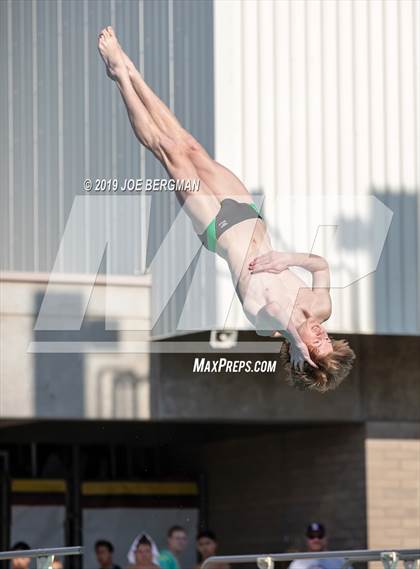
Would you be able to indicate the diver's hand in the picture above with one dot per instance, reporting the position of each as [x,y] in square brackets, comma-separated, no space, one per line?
[299,354]
[272,262]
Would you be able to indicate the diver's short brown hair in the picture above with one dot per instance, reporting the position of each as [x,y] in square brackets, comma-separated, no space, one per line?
[331,370]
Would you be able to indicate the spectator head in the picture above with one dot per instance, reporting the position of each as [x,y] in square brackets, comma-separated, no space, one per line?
[20,562]
[177,539]
[57,563]
[104,550]
[316,539]
[206,544]
[144,553]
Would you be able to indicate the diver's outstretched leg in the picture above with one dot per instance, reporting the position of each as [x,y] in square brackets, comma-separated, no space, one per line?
[144,127]
[166,145]
[220,179]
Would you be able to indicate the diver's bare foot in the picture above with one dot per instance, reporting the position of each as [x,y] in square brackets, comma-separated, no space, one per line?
[111,53]
[131,68]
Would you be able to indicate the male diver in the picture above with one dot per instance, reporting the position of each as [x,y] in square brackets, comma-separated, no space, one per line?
[275,300]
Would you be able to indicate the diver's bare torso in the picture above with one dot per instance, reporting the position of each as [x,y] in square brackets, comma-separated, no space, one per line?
[245,241]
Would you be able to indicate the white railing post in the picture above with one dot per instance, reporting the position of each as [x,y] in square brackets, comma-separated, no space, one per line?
[45,562]
[265,563]
[390,559]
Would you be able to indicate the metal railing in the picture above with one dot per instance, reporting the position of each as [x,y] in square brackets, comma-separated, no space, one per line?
[44,557]
[389,558]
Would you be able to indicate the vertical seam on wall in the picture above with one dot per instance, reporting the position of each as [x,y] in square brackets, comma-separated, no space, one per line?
[384,88]
[23,137]
[385,149]
[171,55]
[275,112]
[144,210]
[259,98]
[323,166]
[338,105]
[172,203]
[354,313]
[86,129]
[243,97]
[369,105]
[369,89]
[111,211]
[307,130]
[48,151]
[11,133]
[291,110]
[400,168]
[339,133]
[35,137]
[416,152]
[60,126]
[172,209]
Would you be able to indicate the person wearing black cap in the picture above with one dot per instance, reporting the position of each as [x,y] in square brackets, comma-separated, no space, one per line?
[316,541]
[20,562]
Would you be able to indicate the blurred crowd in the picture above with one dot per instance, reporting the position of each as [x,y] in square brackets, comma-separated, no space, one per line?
[144,553]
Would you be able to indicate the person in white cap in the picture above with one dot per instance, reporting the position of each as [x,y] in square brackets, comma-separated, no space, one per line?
[143,553]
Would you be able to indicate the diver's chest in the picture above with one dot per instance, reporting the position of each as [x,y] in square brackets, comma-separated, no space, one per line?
[265,287]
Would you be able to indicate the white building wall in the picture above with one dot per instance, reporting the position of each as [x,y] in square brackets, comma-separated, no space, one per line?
[320,98]
[102,371]
[307,99]
[62,121]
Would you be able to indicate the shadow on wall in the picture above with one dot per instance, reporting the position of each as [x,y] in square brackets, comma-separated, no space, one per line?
[60,377]
[394,289]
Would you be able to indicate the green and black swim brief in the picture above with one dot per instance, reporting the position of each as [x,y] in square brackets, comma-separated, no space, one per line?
[230,213]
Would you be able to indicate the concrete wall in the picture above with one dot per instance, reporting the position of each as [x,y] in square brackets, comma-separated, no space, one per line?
[320,99]
[62,121]
[362,481]
[383,385]
[264,490]
[75,373]
[105,370]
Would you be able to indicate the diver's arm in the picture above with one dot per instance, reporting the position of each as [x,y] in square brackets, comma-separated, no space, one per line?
[276,262]
[272,317]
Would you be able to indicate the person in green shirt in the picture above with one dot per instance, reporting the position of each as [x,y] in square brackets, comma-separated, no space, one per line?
[177,542]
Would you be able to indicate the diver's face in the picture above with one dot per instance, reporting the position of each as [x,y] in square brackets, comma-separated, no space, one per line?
[315,336]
